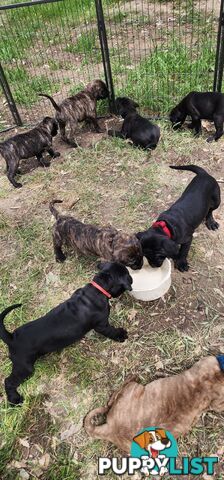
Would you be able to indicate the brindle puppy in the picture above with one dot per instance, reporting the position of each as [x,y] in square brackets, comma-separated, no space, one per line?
[106,242]
[173,403]
[78,108]
[29,144]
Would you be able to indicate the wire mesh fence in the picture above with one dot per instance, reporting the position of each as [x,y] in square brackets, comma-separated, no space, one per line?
[50,47]
[159,51]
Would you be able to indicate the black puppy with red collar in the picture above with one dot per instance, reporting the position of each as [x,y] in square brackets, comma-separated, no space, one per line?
[88,308]
[171,235]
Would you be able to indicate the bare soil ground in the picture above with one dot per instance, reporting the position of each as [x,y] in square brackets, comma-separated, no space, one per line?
[126,187]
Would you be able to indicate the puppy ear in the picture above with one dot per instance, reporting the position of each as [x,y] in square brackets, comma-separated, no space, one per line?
[46,120]
[54,129]
[161,433]
[142,440]
[171,248]
[135,104]
[139,235]
[127,286]
[100,265]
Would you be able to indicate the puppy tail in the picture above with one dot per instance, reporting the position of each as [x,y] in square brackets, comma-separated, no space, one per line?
[4,334]
[96,431]
[55,105]
[53,209]
[191,168]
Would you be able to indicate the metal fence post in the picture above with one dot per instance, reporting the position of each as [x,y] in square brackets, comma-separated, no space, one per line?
[9,97]
[219,61]
[105,54]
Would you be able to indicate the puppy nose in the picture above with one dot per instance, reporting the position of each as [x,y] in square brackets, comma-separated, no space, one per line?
[165,441]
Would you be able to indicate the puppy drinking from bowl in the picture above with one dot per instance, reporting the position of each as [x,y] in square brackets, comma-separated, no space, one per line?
[171,235]
[105,242]
[78,108]
[29,144]
[138,129]
[88,308]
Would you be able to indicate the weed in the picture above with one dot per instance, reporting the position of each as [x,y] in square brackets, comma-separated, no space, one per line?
[25,88]
[169,74]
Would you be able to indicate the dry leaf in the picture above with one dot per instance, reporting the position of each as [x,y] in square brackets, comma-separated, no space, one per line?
[159,365]
[24,442]
[19,465]
[132,314]
[52,278]
[220,451]
[74,428]
[44,461]
[216,290]
[24,475]
[197,350]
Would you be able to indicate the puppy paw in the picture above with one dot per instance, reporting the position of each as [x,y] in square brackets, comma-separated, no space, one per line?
[72,144]
[56,154]
[212,224]
[61,258]
[181,265]
[121,335]
[44,163]
[111,133]
[15,399]
[17,185]
[210,139]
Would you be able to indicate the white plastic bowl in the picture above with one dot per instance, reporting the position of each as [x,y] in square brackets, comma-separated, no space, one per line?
[151,283]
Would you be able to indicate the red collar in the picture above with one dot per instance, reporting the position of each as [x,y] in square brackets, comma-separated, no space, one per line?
[163,225]
[101,289]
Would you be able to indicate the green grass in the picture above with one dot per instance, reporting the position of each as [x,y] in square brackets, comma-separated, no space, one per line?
[87,45]
[118,17]
[168,74]
[29,30]
[84,43]
[26,88]
[65,467]
[31,24]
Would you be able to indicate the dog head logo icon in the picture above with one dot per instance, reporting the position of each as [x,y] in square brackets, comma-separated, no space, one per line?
[153,442]
[155,446]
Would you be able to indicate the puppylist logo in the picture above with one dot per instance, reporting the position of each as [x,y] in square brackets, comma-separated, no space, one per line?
[154,451]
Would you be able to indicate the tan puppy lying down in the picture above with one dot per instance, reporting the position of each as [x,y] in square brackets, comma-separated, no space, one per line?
[174,403]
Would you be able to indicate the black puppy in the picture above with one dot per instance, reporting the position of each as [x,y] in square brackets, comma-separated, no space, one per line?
[27,145]
[88,308]
[206,105]
[138,129]
[176,225]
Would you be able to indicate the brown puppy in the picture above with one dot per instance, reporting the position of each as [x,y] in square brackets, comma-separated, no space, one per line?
[27,145]
[77,108]
[174,403]
[106,242]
